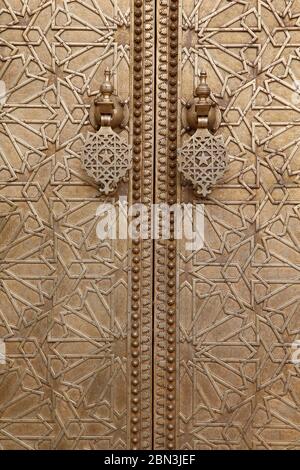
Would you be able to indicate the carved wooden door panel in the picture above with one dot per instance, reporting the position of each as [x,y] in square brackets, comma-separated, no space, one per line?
[123,344]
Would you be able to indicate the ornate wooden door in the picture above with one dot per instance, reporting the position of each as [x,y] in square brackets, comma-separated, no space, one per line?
[139,344]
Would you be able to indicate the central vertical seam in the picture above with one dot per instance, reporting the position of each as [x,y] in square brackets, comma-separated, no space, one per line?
[153,199]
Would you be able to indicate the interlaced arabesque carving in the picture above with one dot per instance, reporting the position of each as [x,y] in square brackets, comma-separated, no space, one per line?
[239,297]
[63,292]
[202,160]
[106,158]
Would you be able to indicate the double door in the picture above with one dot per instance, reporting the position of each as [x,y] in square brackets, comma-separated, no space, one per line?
[141,343]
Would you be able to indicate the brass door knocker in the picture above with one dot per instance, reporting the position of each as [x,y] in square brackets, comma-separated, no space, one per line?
[107,157]
[202,159]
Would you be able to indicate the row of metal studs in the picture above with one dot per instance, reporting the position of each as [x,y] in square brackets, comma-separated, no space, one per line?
[165,344]
[172,199]
[136,249]
[146,312]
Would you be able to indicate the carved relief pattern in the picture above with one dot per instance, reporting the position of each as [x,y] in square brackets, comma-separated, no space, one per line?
[238,299]
[64,294]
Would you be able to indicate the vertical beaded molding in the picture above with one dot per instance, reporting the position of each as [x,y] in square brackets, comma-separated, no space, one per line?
[165,251]
[142,250]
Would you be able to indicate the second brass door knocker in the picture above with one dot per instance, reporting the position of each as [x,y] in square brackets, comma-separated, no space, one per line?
[203,158]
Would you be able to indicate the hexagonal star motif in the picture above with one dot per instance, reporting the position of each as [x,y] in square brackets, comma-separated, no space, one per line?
[203,160]
[106,158]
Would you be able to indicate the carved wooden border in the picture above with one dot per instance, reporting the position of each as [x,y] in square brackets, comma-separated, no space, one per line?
[165,251]
[142,250]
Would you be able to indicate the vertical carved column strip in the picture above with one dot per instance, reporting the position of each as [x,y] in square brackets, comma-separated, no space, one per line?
[165,252]
[142,250]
